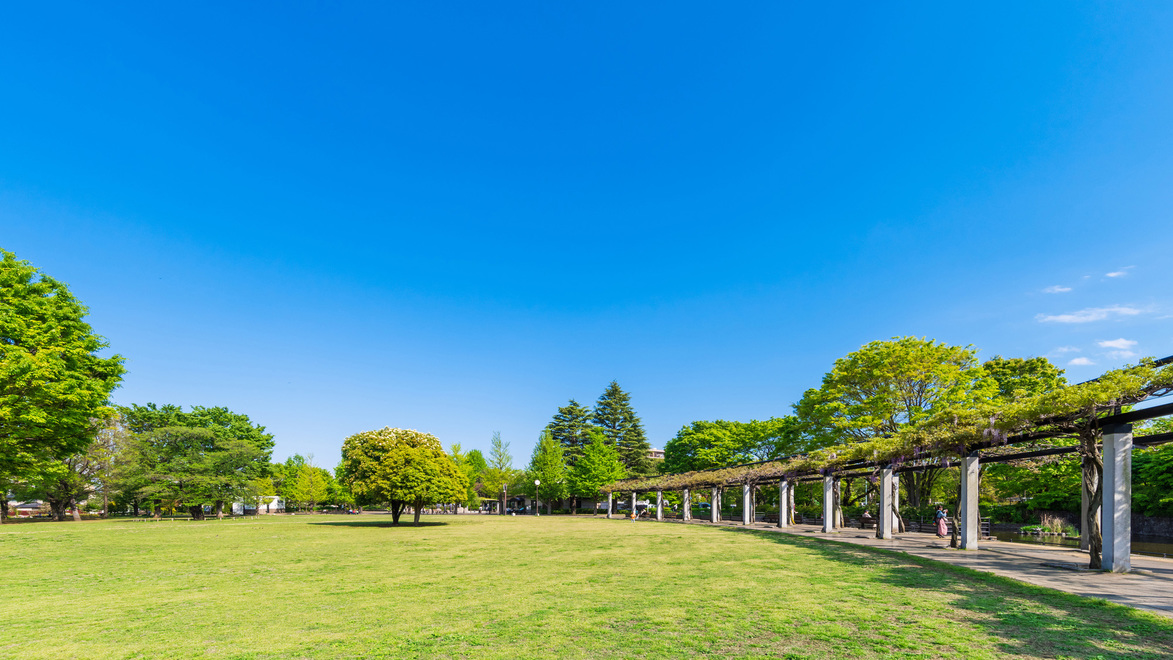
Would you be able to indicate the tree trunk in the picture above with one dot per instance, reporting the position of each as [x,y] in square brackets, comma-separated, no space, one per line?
[837,505]
[76,511]
[573,505]
[549,507]
[1093,484]
[196,511]
[105,505]
[396,511]
[3,506]
[955,534]
[134,504]
[919,486]
[218,509]
[896,510]
[419,505]
[57,507]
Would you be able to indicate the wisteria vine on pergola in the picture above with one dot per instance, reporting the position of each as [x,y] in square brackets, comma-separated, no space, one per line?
[1068,412]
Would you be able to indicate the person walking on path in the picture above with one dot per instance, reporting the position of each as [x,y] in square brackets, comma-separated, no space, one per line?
[939,517]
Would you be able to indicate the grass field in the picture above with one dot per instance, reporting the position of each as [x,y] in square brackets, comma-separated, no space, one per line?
[503,587]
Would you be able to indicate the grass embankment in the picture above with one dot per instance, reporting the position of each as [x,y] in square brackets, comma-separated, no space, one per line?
[494,587]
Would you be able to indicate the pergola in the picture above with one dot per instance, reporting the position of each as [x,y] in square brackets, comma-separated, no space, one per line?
[1091,412]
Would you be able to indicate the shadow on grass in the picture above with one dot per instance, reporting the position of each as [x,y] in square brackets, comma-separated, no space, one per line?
[1027,619]
[378,523]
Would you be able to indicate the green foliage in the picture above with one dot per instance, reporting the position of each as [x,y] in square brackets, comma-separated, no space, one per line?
[1051,485]
[401,467]
[571,428]
[468,468]
[222,422]
[599,465]
[53,385]
[622,427]
[704,445]
[500,470]
[477,462]
[189,466]
[1152,473]
[1068,412]
[310,486]
[547,464]
[1017,378]
[887,385]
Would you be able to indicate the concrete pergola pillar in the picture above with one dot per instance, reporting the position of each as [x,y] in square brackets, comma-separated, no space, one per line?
[686,499]
[1116,520]
[746,505]
[829,504]
[610,502]
[715,506]
[659,505]
[970,524]
[885,520]
[784,503]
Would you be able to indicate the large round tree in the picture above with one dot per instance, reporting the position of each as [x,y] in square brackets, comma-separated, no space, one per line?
[400,467]
[53,384]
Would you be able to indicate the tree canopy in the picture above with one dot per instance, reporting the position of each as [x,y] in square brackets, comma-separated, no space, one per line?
[703,445]
[54,386]
[599,465]
[623,429]
[400,467]
[571,428]
[547,464]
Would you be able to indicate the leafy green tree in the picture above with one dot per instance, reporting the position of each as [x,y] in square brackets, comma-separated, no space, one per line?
[468,468]
[285,476]
[703,445]
[571,428]
[400,467]
[499,471]
[548,465]
[886,385]
[477,462]
[622,427]
[1020,377]
[53,385]
[311,486]
[183,466]
[598,465]
[1050,483]
[228,428]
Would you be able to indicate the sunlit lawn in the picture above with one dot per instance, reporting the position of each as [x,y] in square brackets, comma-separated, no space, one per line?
[504,587]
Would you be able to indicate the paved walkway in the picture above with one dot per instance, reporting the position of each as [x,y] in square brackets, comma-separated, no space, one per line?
[1148,587]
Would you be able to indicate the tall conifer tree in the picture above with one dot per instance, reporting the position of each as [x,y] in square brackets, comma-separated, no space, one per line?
[613,414]
[571,428]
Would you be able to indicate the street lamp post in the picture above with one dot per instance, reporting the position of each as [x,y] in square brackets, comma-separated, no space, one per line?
[537,509]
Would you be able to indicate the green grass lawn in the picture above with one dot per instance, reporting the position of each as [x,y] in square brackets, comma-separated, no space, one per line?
[504,587]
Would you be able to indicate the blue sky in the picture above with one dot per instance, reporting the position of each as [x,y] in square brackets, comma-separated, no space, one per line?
[455,218]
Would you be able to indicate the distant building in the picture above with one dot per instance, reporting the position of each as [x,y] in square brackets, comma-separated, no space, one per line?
[656,454]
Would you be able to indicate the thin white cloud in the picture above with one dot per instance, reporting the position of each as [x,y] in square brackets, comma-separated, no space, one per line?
[1121,355]
[1057,289]
[1088,315]
[1119,273]
[1122,343]
[1080,362]
[1065,349]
